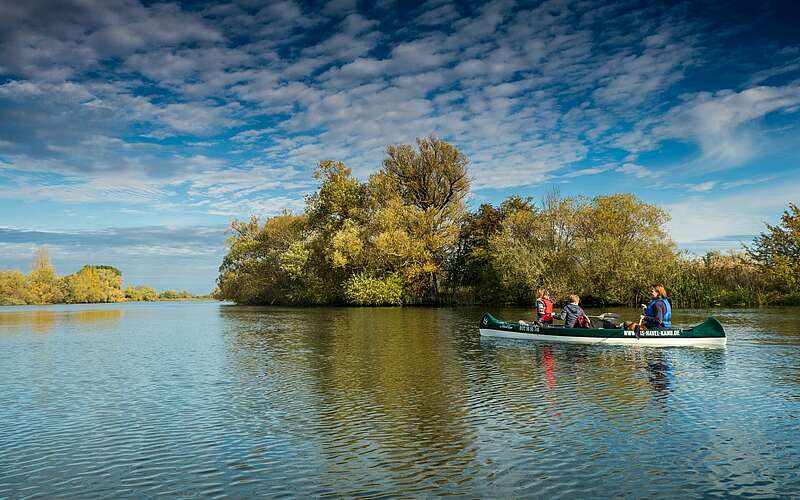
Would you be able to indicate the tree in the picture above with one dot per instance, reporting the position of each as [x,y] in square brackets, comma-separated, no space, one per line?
[777,251]
[434,178]
[334,247]
[406,236]
[43,284]
[623,248]
[13,288]
[418,198]
[268,264]
[608,249]
[470,269]
[537,247]
[175,295]
[140,294]
[93,284]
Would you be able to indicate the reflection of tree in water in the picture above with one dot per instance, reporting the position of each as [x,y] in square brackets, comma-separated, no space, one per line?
[266,356]
[392,386]
[40,321]
[358,386]
[43,320]
[94,315]
[267,391]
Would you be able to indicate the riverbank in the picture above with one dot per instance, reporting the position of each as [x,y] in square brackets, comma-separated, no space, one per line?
[192,299]
[92,284]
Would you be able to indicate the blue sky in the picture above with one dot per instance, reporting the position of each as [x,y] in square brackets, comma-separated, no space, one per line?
[131,133]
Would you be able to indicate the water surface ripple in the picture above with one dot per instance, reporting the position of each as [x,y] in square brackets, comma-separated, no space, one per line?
[209,400]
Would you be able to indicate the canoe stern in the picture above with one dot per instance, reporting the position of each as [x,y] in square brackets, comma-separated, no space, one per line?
[709,328]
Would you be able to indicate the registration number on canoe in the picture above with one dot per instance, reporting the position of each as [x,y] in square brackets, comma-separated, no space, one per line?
[653,333]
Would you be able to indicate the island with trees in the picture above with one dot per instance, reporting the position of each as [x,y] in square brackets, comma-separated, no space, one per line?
[91,284]
[406,236]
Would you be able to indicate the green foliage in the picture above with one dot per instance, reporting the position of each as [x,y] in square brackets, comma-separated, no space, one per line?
[368,290]
[403,222]
[140,294]
[43,286]
[416,211]
[778,251]
[272,263]
[173,295]
[90,284]
[622,247]
[113,270]
[406,236]
[13,289]
[94,284]
[471,275]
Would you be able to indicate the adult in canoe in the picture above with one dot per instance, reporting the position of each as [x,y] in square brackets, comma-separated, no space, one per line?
[573,315]
[657,314]
[544,307]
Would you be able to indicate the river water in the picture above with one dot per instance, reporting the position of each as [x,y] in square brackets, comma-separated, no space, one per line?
[205,399]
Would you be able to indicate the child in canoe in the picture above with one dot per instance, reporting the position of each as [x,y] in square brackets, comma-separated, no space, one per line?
[544,307]
[573,315]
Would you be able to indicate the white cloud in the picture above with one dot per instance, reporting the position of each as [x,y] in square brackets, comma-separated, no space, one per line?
[702,186]
[339,7]
[251,136]
[747,182]
[724,124]
[441,15]
[635,170]
[699,218]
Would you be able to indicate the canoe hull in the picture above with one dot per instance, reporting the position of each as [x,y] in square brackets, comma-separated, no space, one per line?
[707,334]
[654,342]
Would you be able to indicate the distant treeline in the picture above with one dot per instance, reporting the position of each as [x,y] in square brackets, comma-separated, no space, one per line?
[91,284]
[405,236]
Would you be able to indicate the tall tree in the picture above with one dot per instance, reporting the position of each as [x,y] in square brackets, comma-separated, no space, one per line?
[43,284]
[778,250]
[623,248]
[335,215]
[419,195]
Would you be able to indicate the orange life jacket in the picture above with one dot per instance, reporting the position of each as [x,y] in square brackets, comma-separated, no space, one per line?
[547,317]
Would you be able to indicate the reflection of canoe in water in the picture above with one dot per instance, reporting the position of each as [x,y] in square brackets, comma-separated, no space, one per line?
[707,333]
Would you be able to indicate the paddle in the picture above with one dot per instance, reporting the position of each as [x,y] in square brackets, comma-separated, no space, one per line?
[638,327]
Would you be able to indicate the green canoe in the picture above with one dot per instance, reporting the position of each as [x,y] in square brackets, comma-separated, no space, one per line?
[707,333]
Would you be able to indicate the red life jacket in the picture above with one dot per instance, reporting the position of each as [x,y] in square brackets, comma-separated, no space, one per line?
[547,317]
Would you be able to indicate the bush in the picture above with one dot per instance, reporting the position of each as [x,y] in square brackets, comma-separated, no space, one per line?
[173,295]
[141,294]
[368,290]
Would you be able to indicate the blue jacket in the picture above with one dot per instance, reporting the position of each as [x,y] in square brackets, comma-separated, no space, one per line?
[570,314]
[658,313]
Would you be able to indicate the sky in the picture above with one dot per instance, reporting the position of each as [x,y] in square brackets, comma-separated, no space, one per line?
[132,133]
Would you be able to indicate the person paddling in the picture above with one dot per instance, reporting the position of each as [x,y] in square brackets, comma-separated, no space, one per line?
[657,314]
[573,314]
[544,307]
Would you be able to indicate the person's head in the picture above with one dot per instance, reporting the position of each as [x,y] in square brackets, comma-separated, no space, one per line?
[541,293]
[658,292]
[574,299]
